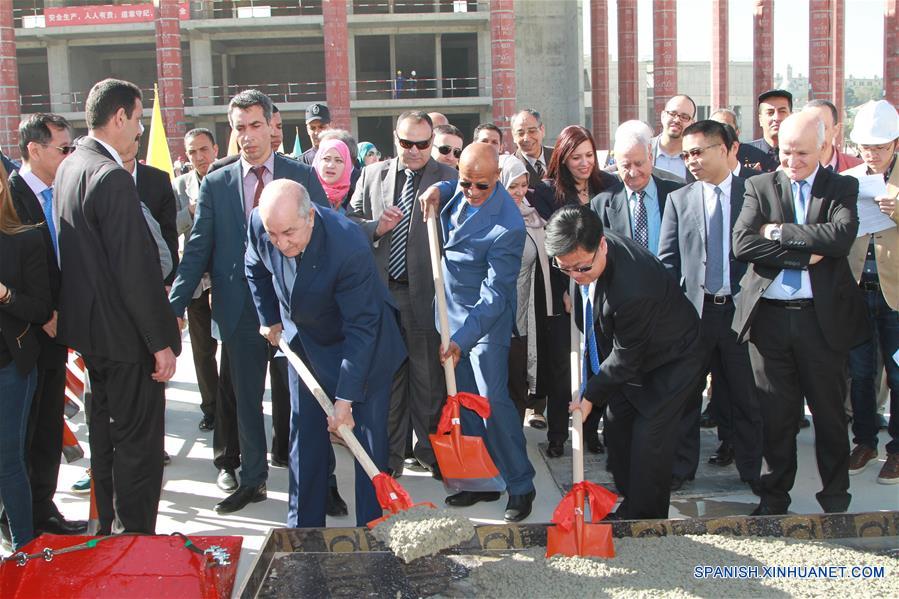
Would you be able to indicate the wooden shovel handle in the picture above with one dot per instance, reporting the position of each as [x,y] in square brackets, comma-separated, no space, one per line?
[324,401]
[449,371]
[577,419]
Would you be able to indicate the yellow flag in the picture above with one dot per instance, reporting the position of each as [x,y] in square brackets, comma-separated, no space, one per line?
[158,149]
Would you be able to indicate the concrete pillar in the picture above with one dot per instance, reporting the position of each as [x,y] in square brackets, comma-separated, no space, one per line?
[502,42]
[838,85]
[168,74]
[337,65]
[352,73]
[599,71]
[202,78]
[438,65]
[60,76]
[820,49]
[10,106]
[628,92]
[664,53]
[720,56]
[891,52]
[763,52]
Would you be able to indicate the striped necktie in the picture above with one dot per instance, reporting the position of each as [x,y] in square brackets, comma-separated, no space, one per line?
[396,261]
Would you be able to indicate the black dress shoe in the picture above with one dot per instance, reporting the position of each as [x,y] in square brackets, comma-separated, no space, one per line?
[335,505]
[519,507]
[393,472]
[723,456]
[805,422]
[678,482]
[764,509]
[226,480]
[277,462]
[594,445]
[754,484]
[241,498]
[207,423]
[413,465]
[435,471]
[467,498]
[555,450]
[58,525]
[166,458]
[706,421]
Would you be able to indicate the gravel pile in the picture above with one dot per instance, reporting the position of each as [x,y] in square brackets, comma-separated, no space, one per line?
[421,531]
[675,566]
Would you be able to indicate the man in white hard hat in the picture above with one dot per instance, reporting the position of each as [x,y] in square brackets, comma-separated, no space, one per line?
[875,265]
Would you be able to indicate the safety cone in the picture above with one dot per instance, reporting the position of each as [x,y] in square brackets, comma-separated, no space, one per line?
[93,521]
[71,448]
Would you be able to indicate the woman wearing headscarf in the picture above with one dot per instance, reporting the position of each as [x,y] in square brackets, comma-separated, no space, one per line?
[25,304]
[573,178]
[367,154]
[334,167]
[523,355]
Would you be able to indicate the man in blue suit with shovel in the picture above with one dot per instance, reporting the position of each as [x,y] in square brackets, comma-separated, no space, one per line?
[313,280]
[485,237]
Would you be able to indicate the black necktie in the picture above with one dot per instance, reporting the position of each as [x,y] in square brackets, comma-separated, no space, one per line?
[396,260]
[641,221]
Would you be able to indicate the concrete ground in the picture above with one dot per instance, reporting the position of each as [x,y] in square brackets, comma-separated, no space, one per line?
[190,492]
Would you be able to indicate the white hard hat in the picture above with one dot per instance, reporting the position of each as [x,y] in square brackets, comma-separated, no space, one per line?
[875,123]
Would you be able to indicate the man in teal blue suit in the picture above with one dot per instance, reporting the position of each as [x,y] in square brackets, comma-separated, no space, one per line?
[313,279]
[217,244]
[485,237]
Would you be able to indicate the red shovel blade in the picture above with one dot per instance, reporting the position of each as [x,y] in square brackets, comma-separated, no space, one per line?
[594,540]
[392,497]
[465,464]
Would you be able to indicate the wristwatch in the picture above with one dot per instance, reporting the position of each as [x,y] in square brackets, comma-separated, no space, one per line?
[775,233]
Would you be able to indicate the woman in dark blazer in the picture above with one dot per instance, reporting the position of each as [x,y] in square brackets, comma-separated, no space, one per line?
[573,177]
[25,303]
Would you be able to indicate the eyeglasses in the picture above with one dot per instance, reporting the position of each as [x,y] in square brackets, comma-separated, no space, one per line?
[696,152]
[577,269]
[876,149]
[65,150]
[374,153]
[467,184]
[407,144]
[684,117]
[447,149]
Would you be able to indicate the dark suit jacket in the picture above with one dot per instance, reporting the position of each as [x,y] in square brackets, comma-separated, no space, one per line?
[8,164]
[154,187]
[31,212]
[830,230]
[533,177]
[112,299]
[376,190]
[23,269]
[217,241]
[642,322]
[766,156]
[611,205]
[682,242]
[746,172]
[338,316]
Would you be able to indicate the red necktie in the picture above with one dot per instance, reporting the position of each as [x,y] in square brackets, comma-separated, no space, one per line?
[259,171]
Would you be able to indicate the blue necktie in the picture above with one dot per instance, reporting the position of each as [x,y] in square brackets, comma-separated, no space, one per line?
[714,268]
[47,204]
[591,353]
[396,259]
[792,279]
[289,268]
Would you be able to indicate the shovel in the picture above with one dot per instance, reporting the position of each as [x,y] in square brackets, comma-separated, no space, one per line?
[464,460]
[391,495]
[572,535]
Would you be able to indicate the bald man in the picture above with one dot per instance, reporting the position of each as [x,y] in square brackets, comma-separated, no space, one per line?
[438,119]
[485,236]
[342,325]
[800,309]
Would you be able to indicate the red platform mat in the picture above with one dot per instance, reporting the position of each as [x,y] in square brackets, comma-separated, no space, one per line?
[130,566]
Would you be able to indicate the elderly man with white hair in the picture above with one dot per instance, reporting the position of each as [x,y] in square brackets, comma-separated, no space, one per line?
[633,208]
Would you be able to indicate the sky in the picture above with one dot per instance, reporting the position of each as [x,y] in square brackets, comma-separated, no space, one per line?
[864,33]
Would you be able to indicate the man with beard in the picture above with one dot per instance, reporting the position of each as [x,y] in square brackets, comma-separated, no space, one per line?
[679,112]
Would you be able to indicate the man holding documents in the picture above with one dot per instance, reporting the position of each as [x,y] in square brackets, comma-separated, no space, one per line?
[874,260]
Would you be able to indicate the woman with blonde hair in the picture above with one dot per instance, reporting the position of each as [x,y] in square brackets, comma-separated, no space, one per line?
[25,303]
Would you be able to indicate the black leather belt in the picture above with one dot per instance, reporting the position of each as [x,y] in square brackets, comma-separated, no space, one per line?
[797,304]
[870,285]
[718,300]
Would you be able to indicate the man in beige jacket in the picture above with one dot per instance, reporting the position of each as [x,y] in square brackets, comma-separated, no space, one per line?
[874,260]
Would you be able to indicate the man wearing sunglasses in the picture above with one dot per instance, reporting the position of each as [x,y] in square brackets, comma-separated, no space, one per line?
[45,140]
[679,112]
[641,359]
[447,145]
[485,237]
[384,204]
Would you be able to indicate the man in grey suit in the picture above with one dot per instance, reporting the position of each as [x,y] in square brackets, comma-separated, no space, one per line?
[217,243]
[386,207]
[695,248]
[528,133]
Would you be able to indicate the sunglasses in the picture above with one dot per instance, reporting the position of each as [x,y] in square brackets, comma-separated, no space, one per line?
[696,152]
[447,149]
[577,269]
[65,150]
[467,184]
[407,144]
